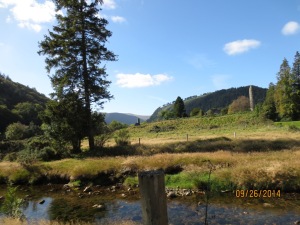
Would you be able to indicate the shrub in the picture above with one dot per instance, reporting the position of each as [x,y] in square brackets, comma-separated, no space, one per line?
[122,137]
[12,156]
[195,112]
[9,149]
[101,139]
[241,104]
[16,131]
[115,125]
[38,142]
[30,156]
[12,205]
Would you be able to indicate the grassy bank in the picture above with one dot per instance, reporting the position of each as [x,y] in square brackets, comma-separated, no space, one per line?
[257,170]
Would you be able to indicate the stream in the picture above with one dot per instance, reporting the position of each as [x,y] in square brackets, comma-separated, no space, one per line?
[52,202]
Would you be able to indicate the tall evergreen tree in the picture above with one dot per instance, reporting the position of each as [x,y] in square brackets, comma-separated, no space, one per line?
[179,108]
[296,85]
[75,49]
[283,92]
[269,107]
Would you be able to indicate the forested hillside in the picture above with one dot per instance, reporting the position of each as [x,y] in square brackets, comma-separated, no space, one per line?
[216,100]
[19,103]
[122,117]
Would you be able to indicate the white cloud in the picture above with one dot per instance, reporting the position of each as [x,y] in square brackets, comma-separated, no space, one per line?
[240,46]
[109,4]
[118,19]
[290,28]
[29,13]
[220,81]
[141,80]
[30,26]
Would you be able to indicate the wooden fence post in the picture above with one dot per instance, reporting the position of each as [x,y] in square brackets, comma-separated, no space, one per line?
[187,137]
[153,197]
[139,141]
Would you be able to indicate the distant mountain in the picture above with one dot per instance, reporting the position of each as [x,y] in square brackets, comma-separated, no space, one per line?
[215,100]
[126,118]
[18,103]
[143,117]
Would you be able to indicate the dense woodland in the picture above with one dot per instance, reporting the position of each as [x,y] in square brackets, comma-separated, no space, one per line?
[19,103]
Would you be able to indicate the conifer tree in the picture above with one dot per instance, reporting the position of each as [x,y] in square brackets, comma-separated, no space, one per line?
[269,107]
[74,50]
[179,108]
[296,85]
[283,92]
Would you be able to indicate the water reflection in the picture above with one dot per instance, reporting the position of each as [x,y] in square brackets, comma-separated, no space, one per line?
[224,209]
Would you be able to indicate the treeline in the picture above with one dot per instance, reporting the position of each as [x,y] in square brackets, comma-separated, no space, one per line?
[19,103]
[283,98]
[217,102]
[280,102]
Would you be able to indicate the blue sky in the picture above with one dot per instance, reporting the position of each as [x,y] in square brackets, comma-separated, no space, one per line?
[165,48]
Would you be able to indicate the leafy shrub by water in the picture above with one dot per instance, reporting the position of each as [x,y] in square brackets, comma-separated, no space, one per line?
[12,205]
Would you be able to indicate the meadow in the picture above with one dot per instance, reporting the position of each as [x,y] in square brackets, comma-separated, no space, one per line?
[240,151]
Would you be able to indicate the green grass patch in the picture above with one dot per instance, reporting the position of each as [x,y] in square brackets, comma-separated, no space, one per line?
[290,125]
[75,183]
[131,181]
[21,176]
[198,180]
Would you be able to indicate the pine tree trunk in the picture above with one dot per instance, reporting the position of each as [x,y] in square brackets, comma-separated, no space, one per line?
[86,86]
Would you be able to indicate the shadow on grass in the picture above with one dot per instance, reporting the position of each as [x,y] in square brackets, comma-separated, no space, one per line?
[206,145]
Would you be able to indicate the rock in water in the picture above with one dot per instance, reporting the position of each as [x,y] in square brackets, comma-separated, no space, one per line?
[87,189]
[171,194]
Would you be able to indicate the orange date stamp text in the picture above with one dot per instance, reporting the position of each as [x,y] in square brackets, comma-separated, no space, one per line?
[257,193]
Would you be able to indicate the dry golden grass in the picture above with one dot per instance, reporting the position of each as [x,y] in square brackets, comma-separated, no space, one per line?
[267,167]
[262,132]
[270,164]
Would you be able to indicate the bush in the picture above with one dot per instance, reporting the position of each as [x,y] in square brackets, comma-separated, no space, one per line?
[16,131]
[195,112]
[12,205]
[30,156]
[241,104]
[11,146]
[115,125]
[12,156]
[122,137]
[101,139]
[38,142]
